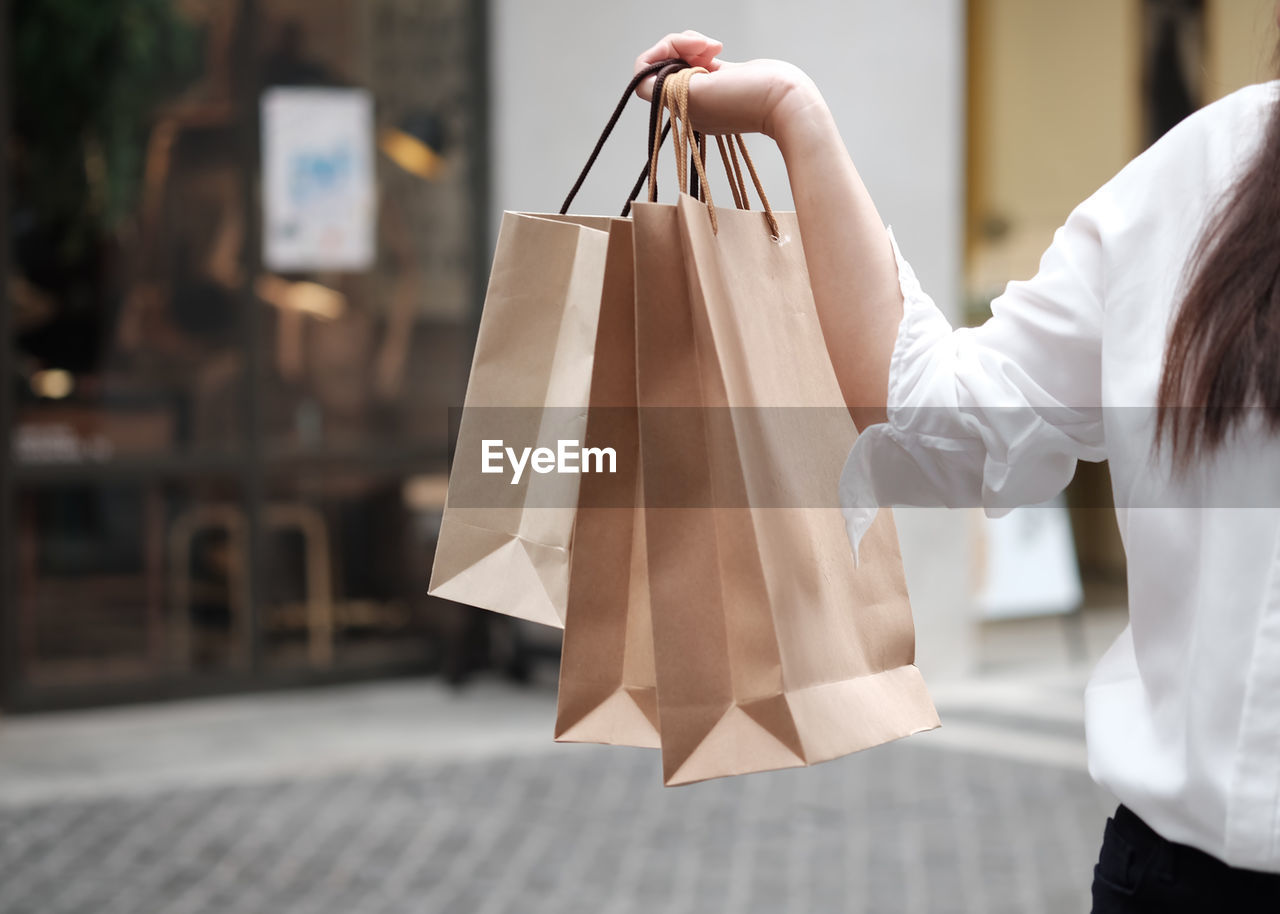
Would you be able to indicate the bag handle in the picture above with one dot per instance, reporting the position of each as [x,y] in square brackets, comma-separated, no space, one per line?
[644,74]
[655,118]
[675,96]
[736,187]
[741,187]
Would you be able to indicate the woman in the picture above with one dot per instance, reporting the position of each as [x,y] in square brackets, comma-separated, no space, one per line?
[1154,319]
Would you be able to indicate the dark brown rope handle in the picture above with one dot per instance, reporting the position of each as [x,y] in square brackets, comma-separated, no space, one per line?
[699,140]
[697,148]
[613,121]
[655,117]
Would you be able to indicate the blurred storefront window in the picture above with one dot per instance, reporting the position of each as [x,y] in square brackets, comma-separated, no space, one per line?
[242,253]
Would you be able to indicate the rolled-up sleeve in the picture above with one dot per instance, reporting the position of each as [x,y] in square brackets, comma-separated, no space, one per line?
[993,416]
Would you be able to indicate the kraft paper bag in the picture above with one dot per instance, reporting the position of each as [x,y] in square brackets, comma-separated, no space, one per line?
[608,691]
[607,681]
[772,650]
[502,546]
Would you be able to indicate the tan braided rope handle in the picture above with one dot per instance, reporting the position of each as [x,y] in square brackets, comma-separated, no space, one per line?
[730,160]
[675,97]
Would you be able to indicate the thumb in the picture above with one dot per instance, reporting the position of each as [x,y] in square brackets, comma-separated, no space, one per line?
[696,49]
[692,47]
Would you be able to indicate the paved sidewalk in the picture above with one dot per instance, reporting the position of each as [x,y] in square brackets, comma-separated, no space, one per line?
[407,796]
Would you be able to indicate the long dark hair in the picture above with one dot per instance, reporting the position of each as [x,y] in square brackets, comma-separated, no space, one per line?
[1223,354]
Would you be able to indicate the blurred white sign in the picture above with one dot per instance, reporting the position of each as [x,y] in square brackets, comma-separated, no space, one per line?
[1028,563]
[319,196]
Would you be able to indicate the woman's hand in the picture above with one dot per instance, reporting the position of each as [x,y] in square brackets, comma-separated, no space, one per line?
[759,96]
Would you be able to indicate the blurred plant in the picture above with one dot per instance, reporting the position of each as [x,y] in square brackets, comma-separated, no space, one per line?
[87,79]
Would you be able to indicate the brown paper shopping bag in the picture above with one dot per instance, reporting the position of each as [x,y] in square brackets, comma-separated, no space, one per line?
[608,690]
[607,681]
[505,546]
[772,649]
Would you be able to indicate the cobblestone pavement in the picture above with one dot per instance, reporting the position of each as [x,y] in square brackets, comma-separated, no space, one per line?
[917,826]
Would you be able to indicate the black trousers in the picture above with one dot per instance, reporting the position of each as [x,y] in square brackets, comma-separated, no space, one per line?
[1139,872]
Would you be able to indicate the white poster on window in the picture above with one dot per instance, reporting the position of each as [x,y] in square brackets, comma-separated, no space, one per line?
[319,196]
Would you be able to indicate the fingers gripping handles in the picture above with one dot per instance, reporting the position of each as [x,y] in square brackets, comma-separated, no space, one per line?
[671,90]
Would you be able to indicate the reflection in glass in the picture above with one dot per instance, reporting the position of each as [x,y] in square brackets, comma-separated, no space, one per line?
[124,581]
[344,566]
[212,453]
[373,357]
[126,238]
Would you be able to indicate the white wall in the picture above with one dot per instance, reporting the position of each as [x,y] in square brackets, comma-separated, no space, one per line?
[893,74]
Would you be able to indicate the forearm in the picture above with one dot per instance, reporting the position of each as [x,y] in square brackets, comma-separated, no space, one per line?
[851,264]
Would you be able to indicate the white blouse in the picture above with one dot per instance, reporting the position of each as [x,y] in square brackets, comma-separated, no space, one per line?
[1183,711]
